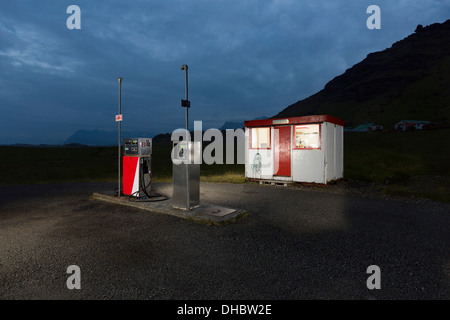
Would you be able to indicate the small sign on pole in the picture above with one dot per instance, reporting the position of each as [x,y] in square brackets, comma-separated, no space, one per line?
[185,103]
[119,117]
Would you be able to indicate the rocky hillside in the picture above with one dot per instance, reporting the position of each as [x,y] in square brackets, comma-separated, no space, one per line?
[410,80]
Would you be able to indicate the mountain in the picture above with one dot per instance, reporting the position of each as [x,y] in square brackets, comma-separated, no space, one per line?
[102,137]
[409,80]
[232,125]
[236,124]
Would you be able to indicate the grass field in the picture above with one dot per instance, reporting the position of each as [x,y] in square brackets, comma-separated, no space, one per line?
[30,165]
[415,163]
[402,163]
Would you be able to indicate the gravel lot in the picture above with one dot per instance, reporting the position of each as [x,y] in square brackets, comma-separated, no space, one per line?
[297,243]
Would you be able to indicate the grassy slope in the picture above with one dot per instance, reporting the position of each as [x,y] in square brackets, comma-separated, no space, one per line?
[23,165]
[403,163]
[407,163]
[28,165]
[395,156]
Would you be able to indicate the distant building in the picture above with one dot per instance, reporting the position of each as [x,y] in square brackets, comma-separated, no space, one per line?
[375,127]
[406,125]
[367,127]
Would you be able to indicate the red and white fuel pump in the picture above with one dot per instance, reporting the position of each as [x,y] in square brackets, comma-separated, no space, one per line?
[137,168]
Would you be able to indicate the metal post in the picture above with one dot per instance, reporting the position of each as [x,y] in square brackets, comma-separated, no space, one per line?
[187,99]
[119,142]
[188,155]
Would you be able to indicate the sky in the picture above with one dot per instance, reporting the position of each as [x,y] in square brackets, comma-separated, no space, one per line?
[246,59]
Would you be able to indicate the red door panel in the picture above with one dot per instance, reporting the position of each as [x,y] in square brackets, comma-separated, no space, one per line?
[282,149]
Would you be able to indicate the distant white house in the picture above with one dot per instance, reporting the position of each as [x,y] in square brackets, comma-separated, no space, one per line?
[405,125]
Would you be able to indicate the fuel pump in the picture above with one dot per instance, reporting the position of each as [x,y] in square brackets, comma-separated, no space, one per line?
[137,167]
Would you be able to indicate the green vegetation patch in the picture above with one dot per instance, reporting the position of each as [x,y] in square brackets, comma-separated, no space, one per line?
[413,164]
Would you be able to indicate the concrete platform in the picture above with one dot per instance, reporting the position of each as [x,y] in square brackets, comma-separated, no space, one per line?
[276,182]
[206,213]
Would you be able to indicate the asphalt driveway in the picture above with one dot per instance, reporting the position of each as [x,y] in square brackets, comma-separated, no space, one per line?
[295,244]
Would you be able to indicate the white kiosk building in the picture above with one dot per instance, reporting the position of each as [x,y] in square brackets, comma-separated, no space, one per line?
[298,149]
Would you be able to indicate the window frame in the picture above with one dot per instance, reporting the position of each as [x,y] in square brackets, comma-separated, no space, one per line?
[294,147]
[269,135]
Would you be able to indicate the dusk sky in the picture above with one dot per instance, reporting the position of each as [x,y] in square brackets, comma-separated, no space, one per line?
[246,59]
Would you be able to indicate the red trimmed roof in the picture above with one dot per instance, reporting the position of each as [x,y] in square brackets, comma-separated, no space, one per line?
[294,120]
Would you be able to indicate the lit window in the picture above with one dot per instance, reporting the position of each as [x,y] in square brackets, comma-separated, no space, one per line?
[307,136]
[260,138]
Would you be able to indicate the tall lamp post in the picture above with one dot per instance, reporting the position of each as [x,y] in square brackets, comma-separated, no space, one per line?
[186,104]
[118,152]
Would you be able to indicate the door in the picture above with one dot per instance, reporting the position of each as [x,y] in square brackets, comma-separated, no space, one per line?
[282,151]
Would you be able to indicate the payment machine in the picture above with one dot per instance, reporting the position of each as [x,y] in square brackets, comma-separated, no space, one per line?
[186,174]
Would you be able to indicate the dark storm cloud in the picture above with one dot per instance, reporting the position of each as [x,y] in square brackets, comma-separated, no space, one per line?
[246,59]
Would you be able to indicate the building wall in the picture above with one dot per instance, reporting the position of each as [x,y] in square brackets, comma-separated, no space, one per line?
[334,156]
[339,160]
[267,168]
[309,164]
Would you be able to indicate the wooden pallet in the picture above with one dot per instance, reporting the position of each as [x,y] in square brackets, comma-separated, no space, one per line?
[276,182]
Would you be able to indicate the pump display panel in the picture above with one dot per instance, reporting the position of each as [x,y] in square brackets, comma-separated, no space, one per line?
[137,146]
